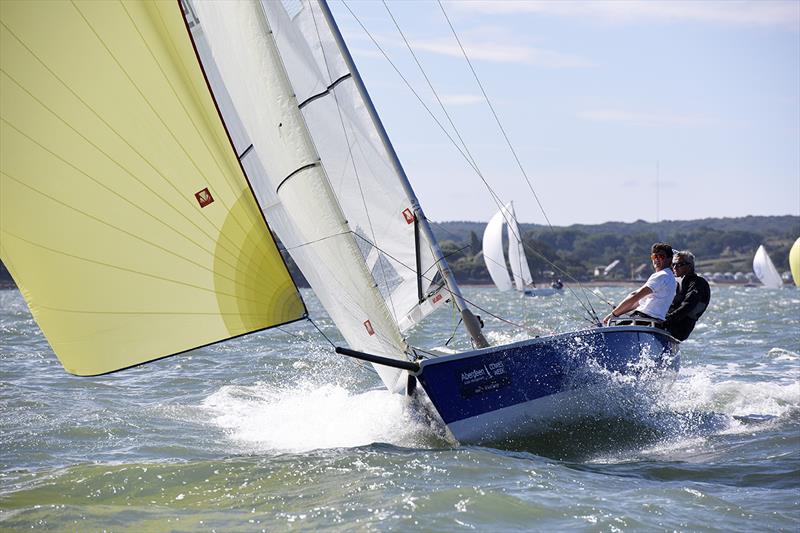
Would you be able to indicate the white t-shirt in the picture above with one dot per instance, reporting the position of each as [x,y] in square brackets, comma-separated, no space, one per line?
[663,285]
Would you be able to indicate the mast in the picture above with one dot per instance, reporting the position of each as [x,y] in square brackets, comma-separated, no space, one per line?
[470,320]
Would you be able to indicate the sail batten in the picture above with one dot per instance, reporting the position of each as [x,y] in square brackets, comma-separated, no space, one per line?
[125,218]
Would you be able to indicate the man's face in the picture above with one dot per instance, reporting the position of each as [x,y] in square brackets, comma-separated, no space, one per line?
[680,267]
[659,260]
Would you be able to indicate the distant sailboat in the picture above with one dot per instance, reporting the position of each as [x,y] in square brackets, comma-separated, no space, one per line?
[794,262]
[519,276]
[765,271]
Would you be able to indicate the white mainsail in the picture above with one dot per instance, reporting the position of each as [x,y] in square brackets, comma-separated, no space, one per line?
[328,189]
[493,251]
[765,271]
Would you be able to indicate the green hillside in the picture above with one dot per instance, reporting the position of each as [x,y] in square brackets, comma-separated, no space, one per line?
[720,245]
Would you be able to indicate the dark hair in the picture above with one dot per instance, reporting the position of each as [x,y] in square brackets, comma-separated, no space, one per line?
[662,248]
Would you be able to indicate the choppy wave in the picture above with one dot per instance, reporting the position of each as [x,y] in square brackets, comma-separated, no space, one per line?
[273,431]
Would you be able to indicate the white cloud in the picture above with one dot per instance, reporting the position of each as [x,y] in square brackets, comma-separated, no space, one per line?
[498,52]
[482,44]
[761,13]
[643,119]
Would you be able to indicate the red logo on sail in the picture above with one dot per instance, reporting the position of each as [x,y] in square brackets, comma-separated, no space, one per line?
[409,216]
[204,197]
[437,297]
[368,325]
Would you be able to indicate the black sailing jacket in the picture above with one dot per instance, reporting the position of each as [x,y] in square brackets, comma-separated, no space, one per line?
[691,301]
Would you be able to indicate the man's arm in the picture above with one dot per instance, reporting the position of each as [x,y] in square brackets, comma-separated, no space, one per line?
[629,303]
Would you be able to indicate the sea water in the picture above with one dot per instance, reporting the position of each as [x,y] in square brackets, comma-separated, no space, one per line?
[275,432]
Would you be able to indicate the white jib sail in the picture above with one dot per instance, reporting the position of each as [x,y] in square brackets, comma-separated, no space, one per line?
[765,271]
[516,252]
[493,252]
[300,194]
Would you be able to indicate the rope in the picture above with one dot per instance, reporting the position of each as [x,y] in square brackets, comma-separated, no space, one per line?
[358,363]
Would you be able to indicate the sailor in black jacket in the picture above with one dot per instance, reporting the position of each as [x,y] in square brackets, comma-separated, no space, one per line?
[691,298]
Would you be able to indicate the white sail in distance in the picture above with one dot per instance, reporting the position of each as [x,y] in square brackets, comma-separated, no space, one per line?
[765,271]
[520,275]
[328,188]
[493,252]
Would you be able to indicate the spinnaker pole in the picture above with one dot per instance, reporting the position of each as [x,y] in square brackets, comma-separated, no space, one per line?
[471,322]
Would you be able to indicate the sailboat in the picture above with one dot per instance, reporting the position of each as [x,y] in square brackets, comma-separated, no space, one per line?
[517,259]
[765,270]
[137,228]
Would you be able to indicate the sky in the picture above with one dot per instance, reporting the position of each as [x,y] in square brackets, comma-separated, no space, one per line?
[616,111]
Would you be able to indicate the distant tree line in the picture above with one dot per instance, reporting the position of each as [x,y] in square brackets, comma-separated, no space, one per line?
[577,251]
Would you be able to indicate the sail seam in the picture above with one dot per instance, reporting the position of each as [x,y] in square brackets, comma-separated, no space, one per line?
[323,93]
[133,149]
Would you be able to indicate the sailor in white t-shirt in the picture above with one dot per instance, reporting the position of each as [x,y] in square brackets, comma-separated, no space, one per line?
[654,297]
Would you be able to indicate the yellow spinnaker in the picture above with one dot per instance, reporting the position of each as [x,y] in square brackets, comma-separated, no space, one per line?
[794,261]
[125,218]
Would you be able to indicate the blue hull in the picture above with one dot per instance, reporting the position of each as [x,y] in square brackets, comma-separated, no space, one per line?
[505,391]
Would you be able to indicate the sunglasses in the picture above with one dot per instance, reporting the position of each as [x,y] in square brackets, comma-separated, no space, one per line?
[679,264]
[658,256]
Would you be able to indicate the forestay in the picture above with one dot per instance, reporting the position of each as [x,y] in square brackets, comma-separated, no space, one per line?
[127,222]
[328,188]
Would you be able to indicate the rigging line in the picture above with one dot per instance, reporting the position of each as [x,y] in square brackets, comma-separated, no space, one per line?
[452,336]
[455,130]
[356,361]
[492,193]
[352,160]
[445,286]
[321,332]
[474,164]
[430,85]
[499,124]
[566,275]
[497,119]
[448,289]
